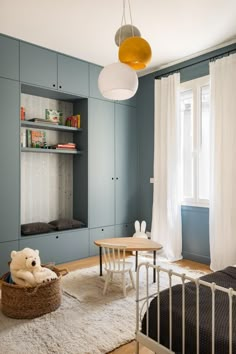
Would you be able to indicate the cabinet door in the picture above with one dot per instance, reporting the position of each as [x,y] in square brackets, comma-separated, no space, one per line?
[73,75]
[9,159]
[94,71]
[99,234]
[125,230]
[9,58]
[38,66]
[126,167]
[59,248]
[5,255]
[101,163]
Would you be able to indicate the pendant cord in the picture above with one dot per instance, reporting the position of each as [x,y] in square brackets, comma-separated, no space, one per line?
[123,19]
[131,21]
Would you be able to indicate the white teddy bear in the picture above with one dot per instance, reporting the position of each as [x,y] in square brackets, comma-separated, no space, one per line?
[26,268]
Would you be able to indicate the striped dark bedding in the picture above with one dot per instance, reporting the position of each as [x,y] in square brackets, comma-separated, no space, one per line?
[225,278]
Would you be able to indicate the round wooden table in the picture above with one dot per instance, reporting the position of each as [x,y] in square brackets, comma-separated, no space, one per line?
[132,244]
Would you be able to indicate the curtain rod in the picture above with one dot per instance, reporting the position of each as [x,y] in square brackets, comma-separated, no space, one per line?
[210,56]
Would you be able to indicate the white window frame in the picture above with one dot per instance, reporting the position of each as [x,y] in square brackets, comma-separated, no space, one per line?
[195,85]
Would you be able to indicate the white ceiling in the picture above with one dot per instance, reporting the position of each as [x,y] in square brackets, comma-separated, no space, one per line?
[86,28]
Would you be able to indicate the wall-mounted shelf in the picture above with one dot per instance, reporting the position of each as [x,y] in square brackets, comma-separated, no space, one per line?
[53,151]
[48,126]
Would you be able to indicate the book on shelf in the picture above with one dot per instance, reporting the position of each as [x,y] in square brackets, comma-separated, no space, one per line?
[41,120]
[66,146]
[35,138]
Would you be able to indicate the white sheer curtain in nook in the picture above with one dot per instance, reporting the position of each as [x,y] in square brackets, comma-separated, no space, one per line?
[223,163]
[166,212]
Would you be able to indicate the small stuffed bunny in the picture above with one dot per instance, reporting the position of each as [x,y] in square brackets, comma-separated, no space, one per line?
[140,231]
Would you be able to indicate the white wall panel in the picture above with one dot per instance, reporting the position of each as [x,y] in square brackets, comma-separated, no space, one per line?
[46,179]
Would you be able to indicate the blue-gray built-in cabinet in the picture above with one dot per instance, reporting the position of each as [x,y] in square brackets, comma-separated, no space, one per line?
[104,172]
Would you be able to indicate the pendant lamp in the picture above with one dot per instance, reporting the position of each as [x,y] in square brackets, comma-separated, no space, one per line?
[125,32]
[136,52]
[118,81]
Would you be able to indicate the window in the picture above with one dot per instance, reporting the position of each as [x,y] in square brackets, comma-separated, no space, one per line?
[195,134]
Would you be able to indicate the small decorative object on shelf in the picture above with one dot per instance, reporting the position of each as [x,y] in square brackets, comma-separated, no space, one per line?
[22,113]
[53,116]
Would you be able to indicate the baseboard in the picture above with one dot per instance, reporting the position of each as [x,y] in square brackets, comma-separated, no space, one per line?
[196,258]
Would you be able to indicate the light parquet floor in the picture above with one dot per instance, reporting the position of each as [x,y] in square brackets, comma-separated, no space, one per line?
[92,261]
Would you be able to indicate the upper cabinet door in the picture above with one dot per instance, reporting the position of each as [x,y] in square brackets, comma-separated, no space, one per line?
[38,66]
[94,71]
[9,58]
[126,167]
[73,75]
[9,159]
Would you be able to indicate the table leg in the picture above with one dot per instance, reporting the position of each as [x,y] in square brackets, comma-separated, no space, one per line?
[100,260]
[136,260]
[154,263]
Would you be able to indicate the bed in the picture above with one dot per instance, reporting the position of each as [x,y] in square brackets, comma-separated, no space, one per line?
[195,316]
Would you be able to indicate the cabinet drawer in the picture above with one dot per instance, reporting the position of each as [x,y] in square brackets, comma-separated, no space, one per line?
[99,234]
[73,75]
[38,66]
[59,248]
[9,58]
[5,255]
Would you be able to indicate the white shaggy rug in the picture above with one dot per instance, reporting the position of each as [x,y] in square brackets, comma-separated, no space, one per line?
[86,323]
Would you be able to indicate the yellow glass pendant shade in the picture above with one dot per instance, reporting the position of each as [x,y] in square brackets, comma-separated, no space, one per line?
[135,52]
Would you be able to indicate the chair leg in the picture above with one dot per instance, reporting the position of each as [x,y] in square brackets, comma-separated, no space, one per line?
[124,285]
[131,278]
[111,277]
[106,282]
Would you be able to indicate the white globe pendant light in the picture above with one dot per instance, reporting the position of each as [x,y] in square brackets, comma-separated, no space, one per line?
[118,81]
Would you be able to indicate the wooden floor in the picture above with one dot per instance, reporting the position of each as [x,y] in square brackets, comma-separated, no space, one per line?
[92,261]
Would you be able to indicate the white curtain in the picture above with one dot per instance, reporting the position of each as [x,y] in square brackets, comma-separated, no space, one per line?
[166,212]
[223,163]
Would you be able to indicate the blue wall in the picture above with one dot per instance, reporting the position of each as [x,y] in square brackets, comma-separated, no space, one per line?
[145,113]
[195,221]
[195,232]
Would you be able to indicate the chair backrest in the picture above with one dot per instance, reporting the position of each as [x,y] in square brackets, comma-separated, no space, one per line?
[114,256]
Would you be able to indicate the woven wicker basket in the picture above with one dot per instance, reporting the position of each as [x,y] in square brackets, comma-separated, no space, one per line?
[30,302]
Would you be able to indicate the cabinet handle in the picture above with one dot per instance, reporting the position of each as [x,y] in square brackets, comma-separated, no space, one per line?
[112,178]
[117,178]
[57,236]
[54,85]
[60,86]
[102,229]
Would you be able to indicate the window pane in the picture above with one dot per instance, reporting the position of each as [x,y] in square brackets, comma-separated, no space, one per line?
[204,152]
[187,142]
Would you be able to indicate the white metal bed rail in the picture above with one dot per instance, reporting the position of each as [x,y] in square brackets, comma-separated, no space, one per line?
[145,339]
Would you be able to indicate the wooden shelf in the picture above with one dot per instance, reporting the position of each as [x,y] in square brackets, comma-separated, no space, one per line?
[52,151]
[48,126]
